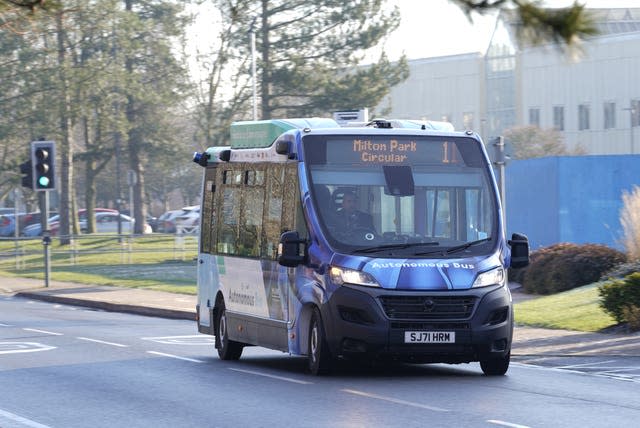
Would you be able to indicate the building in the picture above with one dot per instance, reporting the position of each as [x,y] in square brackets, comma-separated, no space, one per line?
[591,95]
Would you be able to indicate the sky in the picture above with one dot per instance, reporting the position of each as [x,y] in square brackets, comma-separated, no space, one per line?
[431,28]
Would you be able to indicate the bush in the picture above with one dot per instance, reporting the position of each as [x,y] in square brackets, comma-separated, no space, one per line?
[565,266]
[621,270]
[621,299]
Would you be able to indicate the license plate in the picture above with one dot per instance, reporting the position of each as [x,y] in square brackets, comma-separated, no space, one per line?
[429,337]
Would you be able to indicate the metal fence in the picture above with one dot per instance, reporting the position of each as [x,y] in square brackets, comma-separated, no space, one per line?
[29,252]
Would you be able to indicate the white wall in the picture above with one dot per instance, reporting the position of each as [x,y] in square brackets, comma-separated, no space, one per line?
[608,72]
[440,86]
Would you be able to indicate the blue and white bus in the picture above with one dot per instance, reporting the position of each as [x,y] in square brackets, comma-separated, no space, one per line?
[379,241]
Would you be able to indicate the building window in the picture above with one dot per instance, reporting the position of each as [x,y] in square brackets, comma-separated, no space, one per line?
[635,112]
[467,120]
[534,116]
[609,115]
[583,117]
[558,118]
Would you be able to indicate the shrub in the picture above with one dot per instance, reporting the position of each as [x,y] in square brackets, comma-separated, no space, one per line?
[621,270]
[632,316]
[565,266]
[621,299]
[630,221]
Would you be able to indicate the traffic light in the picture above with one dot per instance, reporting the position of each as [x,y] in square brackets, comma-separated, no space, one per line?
[43,159]
[26,169]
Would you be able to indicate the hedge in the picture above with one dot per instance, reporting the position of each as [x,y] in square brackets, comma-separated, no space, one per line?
[565,266]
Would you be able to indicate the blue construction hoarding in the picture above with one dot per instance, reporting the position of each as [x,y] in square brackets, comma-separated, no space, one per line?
[569,198]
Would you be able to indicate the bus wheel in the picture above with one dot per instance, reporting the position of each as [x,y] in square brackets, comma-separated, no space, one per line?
[319,355]
[228,349]
[496,366]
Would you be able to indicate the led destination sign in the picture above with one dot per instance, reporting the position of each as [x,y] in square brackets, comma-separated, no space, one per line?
[391,151]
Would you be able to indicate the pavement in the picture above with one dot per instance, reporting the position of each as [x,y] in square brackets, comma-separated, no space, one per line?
[528,341]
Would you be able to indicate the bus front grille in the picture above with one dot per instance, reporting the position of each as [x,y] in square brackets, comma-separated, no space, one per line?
[428,307]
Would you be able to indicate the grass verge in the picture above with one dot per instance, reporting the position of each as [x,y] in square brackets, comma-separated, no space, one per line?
[152,262]
[577,309]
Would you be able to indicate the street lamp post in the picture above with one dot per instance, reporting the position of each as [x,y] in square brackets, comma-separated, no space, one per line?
[252,34]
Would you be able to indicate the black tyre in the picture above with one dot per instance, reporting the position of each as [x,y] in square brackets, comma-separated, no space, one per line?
[496,366]
[319,356]
[227,349]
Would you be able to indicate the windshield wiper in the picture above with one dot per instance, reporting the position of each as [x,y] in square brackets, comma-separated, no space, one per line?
[457,248]
[402,246]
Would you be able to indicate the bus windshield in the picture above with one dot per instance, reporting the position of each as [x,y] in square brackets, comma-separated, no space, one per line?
[419,195]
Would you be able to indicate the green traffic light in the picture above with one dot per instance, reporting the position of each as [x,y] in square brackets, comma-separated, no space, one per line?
[43,181]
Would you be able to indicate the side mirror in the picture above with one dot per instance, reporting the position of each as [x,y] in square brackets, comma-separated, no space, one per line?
[519,250]
[291,249]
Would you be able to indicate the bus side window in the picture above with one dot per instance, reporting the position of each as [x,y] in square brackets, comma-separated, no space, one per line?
[250,231]
[272,215]
[291,200]
[227,239]
[208,238]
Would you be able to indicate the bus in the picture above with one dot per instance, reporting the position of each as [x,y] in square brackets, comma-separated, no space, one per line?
[379,241]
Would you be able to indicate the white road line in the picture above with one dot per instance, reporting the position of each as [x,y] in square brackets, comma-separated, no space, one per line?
[103,342]
[43,331]
[617,369]
[162,354]
[5,325]
[590,364]
[506,424]
[286,379]
[21,420]
[21,347]
[195,339]
[395,400]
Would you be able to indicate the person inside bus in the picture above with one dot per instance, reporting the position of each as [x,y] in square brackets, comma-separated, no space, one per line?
[349,218]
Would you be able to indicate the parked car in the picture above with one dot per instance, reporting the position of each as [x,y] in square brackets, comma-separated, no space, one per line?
[151,220]
[166,222]
[107,222]
[8,224]
[190,217]
[54,222]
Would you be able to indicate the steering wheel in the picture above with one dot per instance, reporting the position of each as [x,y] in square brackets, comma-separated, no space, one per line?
[360,235]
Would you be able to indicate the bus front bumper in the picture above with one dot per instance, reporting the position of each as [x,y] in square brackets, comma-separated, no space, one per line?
[455,326]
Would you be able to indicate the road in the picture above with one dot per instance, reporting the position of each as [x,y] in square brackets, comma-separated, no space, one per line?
[62,366]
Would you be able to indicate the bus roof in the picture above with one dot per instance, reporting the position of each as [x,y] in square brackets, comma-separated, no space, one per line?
[262,133]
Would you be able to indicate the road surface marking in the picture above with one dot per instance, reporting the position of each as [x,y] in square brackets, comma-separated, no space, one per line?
[21,347]
[394,400]
[162,354]
[21,420]
[103,342]
[196,339]
[586,365]
[43,331]
[5,325]
[286,379]
[506,424]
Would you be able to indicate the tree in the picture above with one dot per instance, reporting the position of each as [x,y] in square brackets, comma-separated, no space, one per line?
[155,86]
[533,142]
[564,27]
[310,53]
[224,92]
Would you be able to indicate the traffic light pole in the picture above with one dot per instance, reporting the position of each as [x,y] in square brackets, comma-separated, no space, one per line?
[46,235]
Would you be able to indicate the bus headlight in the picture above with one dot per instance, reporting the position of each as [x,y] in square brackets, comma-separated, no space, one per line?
[491,277]
[341,276]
